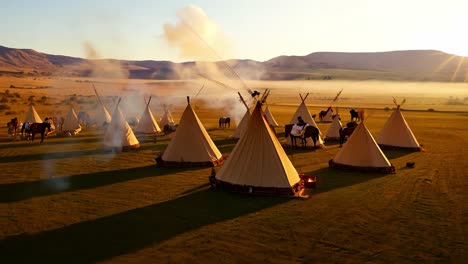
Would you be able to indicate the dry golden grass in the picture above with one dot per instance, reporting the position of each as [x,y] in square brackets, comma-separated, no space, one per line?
[67,200]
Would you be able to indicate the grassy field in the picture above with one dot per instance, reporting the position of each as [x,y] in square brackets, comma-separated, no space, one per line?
[67,200]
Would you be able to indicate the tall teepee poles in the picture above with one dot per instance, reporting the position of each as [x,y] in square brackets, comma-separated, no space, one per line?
[243,101]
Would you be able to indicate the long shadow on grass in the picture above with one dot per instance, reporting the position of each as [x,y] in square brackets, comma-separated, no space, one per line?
[126,232]
[54,155]
[13,192]
[330,178]
[396,153]
[65,141]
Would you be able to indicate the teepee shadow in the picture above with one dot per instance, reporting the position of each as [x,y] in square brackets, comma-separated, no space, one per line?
[329,179]
[129,231]
[396,153]
[13,192]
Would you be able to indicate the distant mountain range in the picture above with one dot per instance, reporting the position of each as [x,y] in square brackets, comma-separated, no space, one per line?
[414,65]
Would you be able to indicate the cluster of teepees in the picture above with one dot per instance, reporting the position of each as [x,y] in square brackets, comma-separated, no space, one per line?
[361,153]
[258,163]
[191,145]
[242,126]
[396,131]
[32,116]
[102,117]
[119,135]
[71,124]
[303,112]
[147,124]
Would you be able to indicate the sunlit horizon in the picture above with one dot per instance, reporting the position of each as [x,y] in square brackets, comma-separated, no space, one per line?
[257,30]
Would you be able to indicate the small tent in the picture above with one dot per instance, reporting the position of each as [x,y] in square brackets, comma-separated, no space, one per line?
[71,124]
[119,134]
[327,115]
[258,162]
[191,145]
[242,126]
[333,132]
[362,153]
[103,116]
[269,117]
[32,116]
[397,133]
[147,122]
[303,112]
[166,118]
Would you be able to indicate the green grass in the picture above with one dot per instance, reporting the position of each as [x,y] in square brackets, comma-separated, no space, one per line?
[67,201]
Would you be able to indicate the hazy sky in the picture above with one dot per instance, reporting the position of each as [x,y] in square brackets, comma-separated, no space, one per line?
[254,29]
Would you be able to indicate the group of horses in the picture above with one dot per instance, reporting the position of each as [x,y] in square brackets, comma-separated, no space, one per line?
[27,130]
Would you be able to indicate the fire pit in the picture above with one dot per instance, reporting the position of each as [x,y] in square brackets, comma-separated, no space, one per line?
[308,180]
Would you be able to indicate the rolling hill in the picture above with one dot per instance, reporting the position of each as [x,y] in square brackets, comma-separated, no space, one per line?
[417,65]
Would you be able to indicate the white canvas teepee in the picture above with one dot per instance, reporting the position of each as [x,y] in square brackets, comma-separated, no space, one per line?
[258,161]
[103,116]
[361,152]
[32,116]
[242,126]
[191,145]
[303,112]
[271,120]
[147,122]
[166,118]
[397,133]
[333,132]
[328,116]
[119,134]
[70,122]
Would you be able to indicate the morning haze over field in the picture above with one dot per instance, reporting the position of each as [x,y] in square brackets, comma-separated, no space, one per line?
[172,131]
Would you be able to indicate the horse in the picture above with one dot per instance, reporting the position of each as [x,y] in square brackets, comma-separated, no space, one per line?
[58,122]
[13,126]
[169,128]
[310,131]
[347,131]
[354,115]
[39,128]
[224,122]
[322,114]
[84,119]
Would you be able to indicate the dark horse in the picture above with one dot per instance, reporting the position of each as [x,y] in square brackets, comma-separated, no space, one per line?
[347,131]
[310,131]
[322,114]
[169,128]
[13,126]
[354,115]
[39,128]
[224,122]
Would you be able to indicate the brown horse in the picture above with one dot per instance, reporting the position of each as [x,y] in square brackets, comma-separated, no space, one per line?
[13,126]
[347,131]
[310,131]
[39,128]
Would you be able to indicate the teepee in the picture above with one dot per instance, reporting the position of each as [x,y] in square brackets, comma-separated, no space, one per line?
[303,112]
[258,162]
[147,122]
[71,123]
[119,134]
[166,118]
[396,132]
[271,120]
[362,153]
[242,126]
[103,116]
[333,132]
[191,145]
[32,116]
